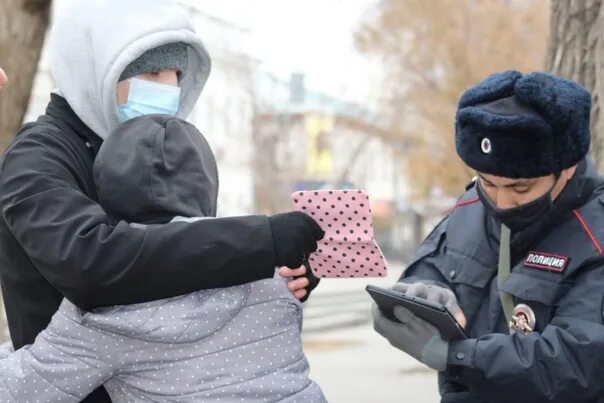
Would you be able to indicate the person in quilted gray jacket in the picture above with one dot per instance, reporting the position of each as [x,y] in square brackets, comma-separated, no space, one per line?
[240,343]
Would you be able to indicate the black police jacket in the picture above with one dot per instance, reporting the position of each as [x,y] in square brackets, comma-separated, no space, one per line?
[558,271]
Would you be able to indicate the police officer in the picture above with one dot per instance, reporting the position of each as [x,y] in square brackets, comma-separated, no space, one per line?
[519,259]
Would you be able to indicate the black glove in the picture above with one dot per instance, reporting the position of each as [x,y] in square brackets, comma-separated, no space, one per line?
[313,281]
[295,236]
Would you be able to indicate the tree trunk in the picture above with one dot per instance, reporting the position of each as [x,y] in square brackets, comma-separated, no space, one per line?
[576,51]
[23,25]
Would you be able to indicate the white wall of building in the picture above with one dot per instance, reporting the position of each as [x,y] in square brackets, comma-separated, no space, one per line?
[224,113]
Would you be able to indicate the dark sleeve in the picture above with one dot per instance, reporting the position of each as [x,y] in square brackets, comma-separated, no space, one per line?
[428,258]
[565,363]
[98,396]
[70,240]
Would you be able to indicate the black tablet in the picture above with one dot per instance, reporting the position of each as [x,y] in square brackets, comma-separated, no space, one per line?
[433,313]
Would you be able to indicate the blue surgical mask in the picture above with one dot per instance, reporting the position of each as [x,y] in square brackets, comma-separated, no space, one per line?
[148,98]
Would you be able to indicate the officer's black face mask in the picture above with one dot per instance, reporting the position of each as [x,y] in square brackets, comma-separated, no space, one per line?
[519,218]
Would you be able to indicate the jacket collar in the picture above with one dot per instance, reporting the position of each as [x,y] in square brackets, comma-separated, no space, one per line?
[63,116]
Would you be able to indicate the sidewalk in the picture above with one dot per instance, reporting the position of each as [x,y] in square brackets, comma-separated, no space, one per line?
[351,362]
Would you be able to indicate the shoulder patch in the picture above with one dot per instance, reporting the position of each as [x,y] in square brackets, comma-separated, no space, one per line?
[546,261]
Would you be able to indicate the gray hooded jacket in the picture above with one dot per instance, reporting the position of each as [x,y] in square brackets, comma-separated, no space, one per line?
[240,343]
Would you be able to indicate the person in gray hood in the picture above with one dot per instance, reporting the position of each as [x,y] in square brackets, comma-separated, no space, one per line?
[241,343]
[112,61]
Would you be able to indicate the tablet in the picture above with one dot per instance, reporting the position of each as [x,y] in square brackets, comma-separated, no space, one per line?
[433,313]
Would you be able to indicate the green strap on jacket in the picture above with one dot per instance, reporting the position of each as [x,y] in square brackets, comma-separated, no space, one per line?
[503,271]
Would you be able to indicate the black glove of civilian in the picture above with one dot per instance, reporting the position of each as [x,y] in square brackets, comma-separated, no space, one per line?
[313,282]
[295,236]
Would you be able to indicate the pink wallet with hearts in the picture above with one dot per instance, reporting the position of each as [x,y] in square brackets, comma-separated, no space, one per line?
[349,248]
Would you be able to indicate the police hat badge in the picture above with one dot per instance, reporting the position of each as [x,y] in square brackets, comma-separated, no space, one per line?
[485,145]
[523,319]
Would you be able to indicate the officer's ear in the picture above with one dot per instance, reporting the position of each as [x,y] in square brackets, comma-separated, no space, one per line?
[568,173]
[565,176]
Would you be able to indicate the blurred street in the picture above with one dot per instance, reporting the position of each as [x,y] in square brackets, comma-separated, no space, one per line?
[348,359]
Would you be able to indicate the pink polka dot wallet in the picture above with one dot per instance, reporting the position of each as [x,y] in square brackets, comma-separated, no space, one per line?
[349,248]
